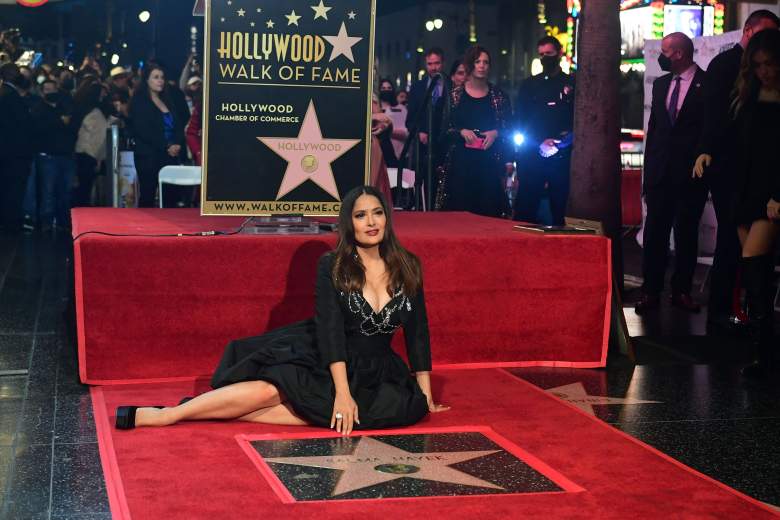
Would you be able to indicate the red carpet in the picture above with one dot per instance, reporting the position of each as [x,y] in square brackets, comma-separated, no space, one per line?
[157,308]
[199,470]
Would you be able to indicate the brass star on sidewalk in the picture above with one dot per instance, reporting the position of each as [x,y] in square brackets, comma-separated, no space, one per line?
[292,18]
[342,44]
[309,156]
[374,462]
[320,11]
[576,394]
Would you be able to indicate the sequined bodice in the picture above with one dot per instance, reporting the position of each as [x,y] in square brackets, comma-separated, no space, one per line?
[370,322]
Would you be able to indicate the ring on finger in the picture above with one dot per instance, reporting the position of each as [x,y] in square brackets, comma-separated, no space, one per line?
[339,416]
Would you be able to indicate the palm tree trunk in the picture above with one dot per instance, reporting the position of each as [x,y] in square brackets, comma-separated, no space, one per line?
[595,171]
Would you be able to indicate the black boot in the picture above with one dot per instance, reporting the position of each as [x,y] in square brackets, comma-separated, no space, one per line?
[757,279]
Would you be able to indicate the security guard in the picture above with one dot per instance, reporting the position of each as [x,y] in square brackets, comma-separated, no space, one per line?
[545,115]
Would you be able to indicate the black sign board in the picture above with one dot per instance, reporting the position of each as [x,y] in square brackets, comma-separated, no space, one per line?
[287,105]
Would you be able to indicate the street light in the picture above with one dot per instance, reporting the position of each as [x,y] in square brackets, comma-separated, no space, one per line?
[429,25]
[114,59]
[438,23]
[144,16]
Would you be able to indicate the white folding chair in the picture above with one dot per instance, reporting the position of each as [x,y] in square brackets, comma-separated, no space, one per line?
[180,176]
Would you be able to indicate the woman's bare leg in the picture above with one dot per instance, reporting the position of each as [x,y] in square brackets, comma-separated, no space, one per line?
[229,402]
[760,239]
[281,414]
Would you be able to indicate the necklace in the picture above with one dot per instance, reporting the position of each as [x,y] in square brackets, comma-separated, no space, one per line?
[377,322]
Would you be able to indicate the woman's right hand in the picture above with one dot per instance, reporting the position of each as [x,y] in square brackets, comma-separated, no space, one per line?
[347,407]
[468,135]
[702,161]
[174,149]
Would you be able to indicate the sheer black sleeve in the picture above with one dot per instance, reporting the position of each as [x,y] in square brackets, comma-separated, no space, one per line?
[331,339]
[418,341]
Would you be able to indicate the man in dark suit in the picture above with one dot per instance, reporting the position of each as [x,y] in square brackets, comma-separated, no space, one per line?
[718,154]
[16,152]
[674,199]
[434,64]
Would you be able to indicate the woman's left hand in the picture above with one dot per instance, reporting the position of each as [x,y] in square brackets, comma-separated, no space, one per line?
[435,408]
[490,138]
[773,209]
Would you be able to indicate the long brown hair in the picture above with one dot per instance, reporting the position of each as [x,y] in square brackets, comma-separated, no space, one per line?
[748,86]
[349,274]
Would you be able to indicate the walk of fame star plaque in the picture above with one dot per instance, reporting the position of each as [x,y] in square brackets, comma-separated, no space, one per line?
[426,463]
[287,105]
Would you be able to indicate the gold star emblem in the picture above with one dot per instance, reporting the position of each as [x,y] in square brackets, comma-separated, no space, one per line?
[251,24]
[259,10]
[374,462]
[351,15]
[241,12]
[269,24]
[309,156]
[292,18]
[320,11]
[342,44]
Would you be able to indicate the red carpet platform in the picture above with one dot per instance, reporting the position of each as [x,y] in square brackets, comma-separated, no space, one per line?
[203,469]
[155,308]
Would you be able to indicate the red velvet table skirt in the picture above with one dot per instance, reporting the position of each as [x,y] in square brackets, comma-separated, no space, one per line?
[163,307]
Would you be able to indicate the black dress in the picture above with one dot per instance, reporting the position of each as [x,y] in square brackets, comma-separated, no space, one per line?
[760,173]
[296,358]
[472,178]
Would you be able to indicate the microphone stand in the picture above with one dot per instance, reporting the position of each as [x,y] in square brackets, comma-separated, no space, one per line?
[425,107]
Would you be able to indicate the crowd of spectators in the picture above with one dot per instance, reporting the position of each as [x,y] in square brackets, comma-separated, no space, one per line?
[53,133]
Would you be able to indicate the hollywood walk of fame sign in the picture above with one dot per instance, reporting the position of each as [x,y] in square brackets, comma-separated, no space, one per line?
[287,105]
[406,465]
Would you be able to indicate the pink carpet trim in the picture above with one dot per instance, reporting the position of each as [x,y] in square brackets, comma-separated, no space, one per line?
[284,495]
[114,488]
[646,446]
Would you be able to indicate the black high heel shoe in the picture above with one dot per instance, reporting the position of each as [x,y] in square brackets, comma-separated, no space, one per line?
[125,416]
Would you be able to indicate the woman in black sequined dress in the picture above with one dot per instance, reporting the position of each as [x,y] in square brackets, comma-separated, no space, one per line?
[336,369]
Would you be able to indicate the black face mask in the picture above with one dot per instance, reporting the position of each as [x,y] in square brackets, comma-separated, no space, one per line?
[550,63]
[387,96]
[68,84]
[665,62]
[52,97]
[24,83]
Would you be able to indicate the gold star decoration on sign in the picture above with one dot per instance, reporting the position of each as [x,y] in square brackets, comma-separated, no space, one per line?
[259,10]
[374,462]
[251,24]
[320,11]
[351,15]
[342,44]
[292,18]
[269,24]
[241,12]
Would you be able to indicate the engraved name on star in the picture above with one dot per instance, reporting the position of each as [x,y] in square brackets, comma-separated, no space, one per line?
[292,18]
[320,11]
[309,156]
[342,44]
[576,394]
[368,466]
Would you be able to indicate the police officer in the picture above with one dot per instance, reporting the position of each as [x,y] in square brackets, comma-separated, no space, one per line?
[545,115]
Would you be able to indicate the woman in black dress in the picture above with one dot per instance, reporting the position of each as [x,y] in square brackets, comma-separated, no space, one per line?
[336,369]
[157,130]
[757,108]
[472,178]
